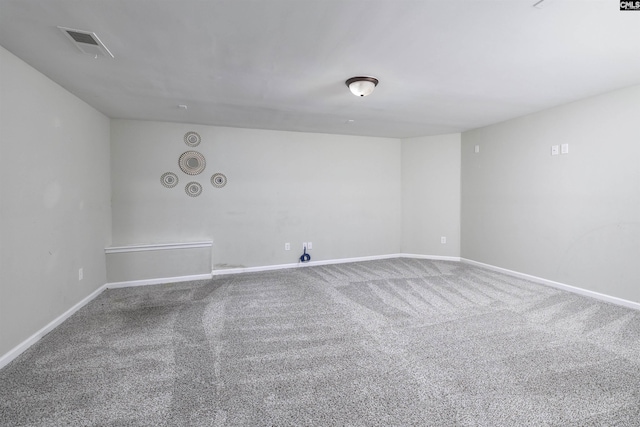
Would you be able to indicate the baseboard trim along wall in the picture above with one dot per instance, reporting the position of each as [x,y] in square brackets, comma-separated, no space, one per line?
[558,285]
[327,262]
[5,359]
[160,281]
[23,346]
[20,348]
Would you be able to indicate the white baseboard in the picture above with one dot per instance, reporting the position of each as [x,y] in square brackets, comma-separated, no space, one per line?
[20,348]
[328,262]
[299,264]
[23,346]
[431,257]
[159,281]
[580,291]
[5,359]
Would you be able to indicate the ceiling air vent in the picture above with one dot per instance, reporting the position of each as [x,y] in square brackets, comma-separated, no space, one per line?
[87,42]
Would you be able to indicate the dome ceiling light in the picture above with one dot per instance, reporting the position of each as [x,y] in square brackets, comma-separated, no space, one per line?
[362,86]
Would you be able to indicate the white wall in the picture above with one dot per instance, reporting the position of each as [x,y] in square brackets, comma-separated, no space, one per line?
[572,218]
[431,195]
[55,209]
[342,193]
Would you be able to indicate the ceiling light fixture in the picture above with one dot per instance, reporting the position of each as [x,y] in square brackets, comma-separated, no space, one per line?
[362,86]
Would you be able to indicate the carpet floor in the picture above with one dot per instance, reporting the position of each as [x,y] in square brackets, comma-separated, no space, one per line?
[380,343]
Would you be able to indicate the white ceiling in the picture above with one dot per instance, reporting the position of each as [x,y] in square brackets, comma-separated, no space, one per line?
[444,66]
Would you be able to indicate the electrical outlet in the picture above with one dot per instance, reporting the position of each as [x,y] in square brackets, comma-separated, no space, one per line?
[309,246]
[304,245]
[443,240]
[80,273]
[555,150]
[287,246]
[476,149]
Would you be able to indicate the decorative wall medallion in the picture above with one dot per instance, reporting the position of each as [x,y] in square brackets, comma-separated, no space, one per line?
[193,189]
[191,162]
[169,179]
[218,180]
[192,139]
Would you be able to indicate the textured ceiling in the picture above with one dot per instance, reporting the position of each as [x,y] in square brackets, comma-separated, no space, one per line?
[444,66]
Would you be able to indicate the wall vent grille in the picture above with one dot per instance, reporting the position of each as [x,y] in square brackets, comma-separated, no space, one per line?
[87,42]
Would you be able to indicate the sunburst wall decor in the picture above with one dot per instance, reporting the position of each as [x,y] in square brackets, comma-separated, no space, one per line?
[191,162]
[169,179]
[192,139]
[193,189]
[218,180]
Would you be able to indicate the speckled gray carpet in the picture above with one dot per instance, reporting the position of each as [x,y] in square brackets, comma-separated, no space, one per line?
[381,343]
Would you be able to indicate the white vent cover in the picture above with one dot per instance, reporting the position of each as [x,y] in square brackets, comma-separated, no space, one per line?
[87,42]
